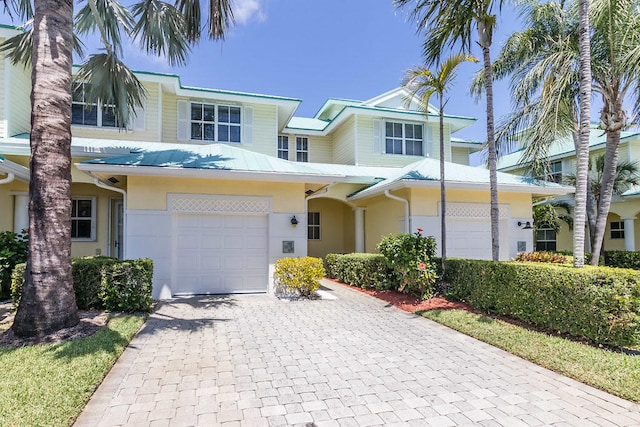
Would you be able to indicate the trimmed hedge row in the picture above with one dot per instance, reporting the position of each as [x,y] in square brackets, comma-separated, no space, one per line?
[368,271]
[622,259]
[103,283]
[596,303]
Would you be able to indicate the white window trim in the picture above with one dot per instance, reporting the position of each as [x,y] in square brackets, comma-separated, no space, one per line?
[215,122]
[404,138]
[93,219]
[619,230]
[283,150]
[318,226]
[546,228]
[99,106]
[302,151]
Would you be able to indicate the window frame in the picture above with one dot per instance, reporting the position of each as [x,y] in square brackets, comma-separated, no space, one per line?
[282,151]
[101,109]
[216,122]
[92,218]
[314,223]
[546,228]
[555,175]
[618,230]
[403,138]
[304,152]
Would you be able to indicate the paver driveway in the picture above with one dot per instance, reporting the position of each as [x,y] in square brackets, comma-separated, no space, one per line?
[353,361]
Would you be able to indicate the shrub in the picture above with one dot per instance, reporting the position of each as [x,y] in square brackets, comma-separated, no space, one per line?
[103,283]
[368,271]
[300,275]
[599,304]
[13,250]
[622,259]
[126,286]
[542,256]
[411,257]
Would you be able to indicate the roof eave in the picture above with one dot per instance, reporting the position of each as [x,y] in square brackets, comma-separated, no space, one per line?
[21,173]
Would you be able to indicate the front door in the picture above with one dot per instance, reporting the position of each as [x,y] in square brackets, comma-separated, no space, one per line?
[117,228]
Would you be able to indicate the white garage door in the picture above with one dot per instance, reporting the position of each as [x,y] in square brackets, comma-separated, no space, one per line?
[220,253]
[469,238]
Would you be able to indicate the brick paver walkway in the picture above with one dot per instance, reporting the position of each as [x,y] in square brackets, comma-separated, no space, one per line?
[354,361]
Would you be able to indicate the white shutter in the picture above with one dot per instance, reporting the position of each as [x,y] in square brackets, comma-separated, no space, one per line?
[184,133]
[137,117]
[377,136]
[428,141]
[247,126]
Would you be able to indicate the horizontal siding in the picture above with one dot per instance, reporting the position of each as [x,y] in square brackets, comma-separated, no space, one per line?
[3,116]
[460,155]
[265,137]
[343,143]
[320,149]
[169,118]
[20,101]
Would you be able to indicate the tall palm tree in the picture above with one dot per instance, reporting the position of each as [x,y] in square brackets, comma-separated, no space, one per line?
[544,64]
[451,24]
[47,303]
[422,84]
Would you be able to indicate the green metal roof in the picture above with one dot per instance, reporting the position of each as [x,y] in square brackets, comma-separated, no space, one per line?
[307,123]
[564,147]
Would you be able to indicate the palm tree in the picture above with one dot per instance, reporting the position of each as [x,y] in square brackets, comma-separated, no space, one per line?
[450,24]
[48,301]
[544,63]
[422,84]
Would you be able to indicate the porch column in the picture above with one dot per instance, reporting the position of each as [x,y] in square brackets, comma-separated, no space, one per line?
[359,217]
[629,235]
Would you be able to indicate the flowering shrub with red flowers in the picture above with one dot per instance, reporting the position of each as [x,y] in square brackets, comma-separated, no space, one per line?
[411,257]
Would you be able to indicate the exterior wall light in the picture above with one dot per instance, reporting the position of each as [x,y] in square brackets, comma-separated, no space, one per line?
[525,225]
[294,221]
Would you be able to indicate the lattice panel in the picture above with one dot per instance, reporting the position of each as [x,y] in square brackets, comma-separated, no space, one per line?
[475,210]
[213,205]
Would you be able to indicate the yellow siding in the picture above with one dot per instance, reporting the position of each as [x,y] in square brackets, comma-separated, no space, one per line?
[610,244]
[151,192]
[265,133]
[336,229]
[320,149]
[19,99]
[3,114]
[169,118]
[424,201]
[343,143]
[460,155]
[150,132]
[381,217]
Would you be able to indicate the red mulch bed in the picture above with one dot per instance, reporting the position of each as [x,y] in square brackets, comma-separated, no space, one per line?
[410,303]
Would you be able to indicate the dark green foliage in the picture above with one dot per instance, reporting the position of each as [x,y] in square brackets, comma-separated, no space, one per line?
[368,271]
[622,259]
[103,283]
[13,250]
[599,304]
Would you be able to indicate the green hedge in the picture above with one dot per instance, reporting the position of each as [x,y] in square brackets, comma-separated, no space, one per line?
[622,259]
[368,271]
[103,283]
[13,250]
[595,303]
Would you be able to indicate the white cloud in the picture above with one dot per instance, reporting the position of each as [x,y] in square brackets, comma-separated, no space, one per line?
[247,10]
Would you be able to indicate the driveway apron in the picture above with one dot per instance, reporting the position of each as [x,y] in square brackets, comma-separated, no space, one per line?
[255,360]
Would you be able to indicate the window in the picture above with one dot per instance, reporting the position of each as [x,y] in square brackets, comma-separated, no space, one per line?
[89,112]
[211,122]
[283,147]
[302,149]
[403,138]
[313,226]
[617,230]
[556,173]
[83,218]
[545,238]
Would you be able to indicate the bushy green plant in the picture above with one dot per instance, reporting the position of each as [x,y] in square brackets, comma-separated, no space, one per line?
[126,285]
[300,275]
[595,303]
[411,257]
[368,271]
[103,283]
[13,250]
[622,259]
[542,256]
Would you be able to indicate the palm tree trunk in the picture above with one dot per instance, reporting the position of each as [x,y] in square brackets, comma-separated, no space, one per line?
[590,202]
[48,301]
[491,148]
[582,153]
[443,197]
[606,192]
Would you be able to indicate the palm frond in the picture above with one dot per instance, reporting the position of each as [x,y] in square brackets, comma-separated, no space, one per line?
[219,20]
[108,17]
[19,48]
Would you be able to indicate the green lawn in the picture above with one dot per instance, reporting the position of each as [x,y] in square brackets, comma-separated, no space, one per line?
[614,372]
[49,385]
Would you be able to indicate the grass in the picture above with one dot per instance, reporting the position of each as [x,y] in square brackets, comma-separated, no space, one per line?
[614,372]
[49,385]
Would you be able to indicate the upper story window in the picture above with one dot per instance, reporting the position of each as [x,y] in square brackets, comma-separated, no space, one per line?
[283,147]
[556,172]
[404,138]
[89,112]
[210,122]
[302,149]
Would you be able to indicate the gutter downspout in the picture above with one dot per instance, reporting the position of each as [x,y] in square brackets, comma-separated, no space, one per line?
[10,177]
[407,226]
[100,184]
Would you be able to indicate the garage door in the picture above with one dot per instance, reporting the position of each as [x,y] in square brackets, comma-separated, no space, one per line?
[469,238]
[220,253]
